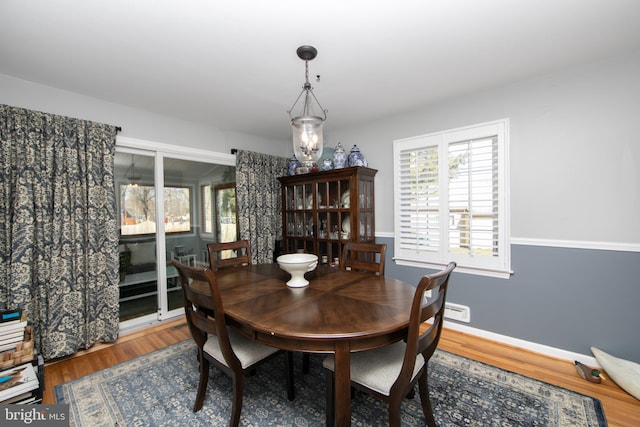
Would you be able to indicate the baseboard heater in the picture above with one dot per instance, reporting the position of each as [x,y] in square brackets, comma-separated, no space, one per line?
[458,312]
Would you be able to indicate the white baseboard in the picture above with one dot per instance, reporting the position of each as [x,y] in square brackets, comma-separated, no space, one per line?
[526,345]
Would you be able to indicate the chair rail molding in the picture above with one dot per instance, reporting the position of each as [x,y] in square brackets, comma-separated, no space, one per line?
[577,244]
[557,243]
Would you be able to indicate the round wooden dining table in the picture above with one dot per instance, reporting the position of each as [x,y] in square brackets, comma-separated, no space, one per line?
[338,312]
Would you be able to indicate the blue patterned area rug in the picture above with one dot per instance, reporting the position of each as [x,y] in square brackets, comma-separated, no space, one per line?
[158,389]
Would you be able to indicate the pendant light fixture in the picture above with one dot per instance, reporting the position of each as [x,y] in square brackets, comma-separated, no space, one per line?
[131,176]
[307,125]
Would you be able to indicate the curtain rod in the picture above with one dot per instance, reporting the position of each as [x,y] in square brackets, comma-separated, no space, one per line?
[118,129]
[234,150]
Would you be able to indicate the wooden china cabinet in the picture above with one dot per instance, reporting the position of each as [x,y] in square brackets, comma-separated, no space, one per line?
[323,210]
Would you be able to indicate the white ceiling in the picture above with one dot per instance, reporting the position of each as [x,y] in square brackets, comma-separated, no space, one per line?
[233,63]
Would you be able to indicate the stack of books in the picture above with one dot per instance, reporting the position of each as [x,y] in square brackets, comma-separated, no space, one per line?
[12,326]
[19,380]
[19,384]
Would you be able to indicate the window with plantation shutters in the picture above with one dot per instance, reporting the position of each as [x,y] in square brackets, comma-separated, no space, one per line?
[451,199]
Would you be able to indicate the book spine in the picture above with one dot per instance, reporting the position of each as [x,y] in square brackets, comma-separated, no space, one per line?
[9,315]
[18,380]
[12,334]
[12,325]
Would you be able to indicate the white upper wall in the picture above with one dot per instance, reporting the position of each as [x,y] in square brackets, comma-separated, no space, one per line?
[135,123]
[575,153]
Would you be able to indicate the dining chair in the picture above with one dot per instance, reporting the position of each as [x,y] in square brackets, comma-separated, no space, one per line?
[224,347]
[390,373]
[241,248]
[368,257]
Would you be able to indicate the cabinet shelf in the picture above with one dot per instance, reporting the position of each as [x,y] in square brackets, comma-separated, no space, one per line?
[323,210]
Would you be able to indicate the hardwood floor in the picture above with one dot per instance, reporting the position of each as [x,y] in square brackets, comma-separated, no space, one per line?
[621,409]
[102,356]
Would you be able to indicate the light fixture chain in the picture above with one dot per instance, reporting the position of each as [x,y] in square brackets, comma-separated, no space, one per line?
[307,90]
[306,73]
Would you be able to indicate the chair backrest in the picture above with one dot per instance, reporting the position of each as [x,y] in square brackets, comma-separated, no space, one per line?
[367,257]
[426,340]
[204,310]
[242,254]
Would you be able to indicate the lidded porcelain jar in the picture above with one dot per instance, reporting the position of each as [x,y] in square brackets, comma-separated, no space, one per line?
[327,164]
[356,158]
[293,164]
[339,157]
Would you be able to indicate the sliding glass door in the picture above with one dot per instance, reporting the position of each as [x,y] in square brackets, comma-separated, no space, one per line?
[135,182]
[188,213]
[167,214]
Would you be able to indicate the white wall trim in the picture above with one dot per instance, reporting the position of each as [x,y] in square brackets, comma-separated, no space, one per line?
[572,244]
[578,244]
[526,345]
[176,151]
[385,234]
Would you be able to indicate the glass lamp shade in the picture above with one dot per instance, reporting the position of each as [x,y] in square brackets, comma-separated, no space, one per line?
[307,139]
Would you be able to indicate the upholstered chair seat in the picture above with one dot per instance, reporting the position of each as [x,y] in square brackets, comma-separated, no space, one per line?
[378,369]
[248,352]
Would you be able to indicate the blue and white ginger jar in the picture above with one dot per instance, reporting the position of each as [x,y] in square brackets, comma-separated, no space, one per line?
[356,158]
[339,157]
[293,164]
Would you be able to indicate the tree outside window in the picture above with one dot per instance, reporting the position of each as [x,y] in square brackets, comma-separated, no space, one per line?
[138,209]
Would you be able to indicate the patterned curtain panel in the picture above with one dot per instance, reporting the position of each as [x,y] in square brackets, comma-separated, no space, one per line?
[59,234]
[258,196]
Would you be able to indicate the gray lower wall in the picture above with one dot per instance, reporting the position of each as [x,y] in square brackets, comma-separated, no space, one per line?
[570,299]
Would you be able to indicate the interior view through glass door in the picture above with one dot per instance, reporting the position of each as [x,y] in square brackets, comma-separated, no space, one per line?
[188,217]
[180,215]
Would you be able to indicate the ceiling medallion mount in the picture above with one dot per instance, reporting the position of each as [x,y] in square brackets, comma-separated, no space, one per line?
[307,53]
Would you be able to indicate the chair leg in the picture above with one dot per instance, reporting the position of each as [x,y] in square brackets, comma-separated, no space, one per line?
[236,406]
[394,411]
[412,393]
[305,363]
[330,408]
[202,383]
[291,394]
[427,409]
